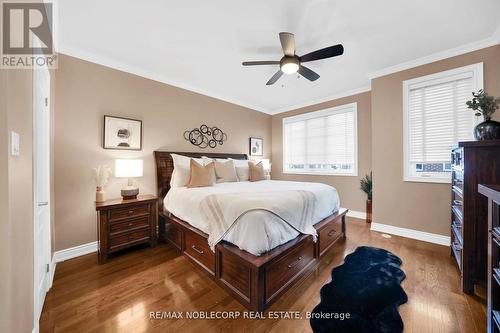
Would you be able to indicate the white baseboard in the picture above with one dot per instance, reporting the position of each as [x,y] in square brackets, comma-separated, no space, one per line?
[357,215]
[413,234]
[74,252]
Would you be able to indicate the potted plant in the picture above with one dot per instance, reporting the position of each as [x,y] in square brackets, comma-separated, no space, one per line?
[486,106]
[366,186]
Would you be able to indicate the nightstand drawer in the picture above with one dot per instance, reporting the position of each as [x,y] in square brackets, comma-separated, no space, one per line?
[122,213]
[128,238]
[128,225]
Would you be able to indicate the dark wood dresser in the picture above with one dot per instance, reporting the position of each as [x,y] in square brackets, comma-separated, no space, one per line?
[125,223]
[473,163]
[492,192]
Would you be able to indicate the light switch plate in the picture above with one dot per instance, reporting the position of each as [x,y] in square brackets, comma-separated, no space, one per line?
[14,143]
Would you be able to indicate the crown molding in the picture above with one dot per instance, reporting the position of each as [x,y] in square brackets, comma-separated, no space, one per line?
[474,46]
[496,34]
[328,98]
[118,65]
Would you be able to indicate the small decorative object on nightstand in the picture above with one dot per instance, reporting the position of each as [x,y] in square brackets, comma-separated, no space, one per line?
[129,169]
[266,164]
[101,176]
[125,223]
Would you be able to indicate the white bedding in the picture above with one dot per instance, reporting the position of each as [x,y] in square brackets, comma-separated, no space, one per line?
[257,231]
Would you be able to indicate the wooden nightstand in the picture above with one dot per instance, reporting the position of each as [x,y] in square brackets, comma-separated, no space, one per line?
[125,223]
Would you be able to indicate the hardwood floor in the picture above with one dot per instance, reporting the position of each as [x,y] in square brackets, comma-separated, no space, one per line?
[119,296]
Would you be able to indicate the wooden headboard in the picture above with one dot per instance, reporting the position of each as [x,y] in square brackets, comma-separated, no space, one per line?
[165,166]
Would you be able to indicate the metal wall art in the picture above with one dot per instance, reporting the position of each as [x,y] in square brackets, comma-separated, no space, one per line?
[205,136]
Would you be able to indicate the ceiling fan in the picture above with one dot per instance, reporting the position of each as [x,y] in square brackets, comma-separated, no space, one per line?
[291,63]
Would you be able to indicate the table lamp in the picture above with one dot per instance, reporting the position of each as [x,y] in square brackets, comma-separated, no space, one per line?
[129,169]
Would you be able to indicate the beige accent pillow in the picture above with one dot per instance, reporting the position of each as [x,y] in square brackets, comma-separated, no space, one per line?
[256,172]
[225,172]
[201,175]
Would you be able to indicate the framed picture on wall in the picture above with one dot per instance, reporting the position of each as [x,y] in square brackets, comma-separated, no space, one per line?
[256,146]
[122,133]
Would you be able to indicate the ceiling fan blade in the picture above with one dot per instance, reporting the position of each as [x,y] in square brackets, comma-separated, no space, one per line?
[274,78]
[307,73]
[254,63]
[287,43]
[327,52]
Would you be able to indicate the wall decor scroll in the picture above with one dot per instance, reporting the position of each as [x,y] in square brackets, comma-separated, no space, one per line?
[205,136]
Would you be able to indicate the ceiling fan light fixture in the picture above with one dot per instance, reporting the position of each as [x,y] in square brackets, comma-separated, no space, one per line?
[289,65]
[290,68]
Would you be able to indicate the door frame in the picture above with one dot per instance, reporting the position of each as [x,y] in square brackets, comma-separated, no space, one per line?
[37,303]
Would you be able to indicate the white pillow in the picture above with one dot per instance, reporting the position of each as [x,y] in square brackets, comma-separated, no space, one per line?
[242,169]
[181,173]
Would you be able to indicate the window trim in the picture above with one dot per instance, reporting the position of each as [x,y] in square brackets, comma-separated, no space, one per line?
[436,78]
[317,114]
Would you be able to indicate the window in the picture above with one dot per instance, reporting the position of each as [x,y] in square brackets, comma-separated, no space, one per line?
[436,119]
[322,142]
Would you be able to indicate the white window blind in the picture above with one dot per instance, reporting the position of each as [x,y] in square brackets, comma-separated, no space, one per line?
[437,119]
[322,142]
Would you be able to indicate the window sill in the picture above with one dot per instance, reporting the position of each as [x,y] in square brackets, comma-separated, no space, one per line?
[319,173]
[427,180]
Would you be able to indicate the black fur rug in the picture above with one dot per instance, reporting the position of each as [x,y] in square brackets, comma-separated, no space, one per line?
[368,288]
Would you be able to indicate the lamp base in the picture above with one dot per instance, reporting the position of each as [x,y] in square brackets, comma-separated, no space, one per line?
[129,192]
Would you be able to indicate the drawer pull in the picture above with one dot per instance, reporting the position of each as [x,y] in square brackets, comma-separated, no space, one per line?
[296,262]
[130,237]
[197,249]
[130,224]
[330,234]
[457,202]
[130,212]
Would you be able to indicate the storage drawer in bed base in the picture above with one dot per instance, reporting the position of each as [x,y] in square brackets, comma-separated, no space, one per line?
[255,281]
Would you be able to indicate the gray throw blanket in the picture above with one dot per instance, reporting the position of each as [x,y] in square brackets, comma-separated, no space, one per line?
[222,211]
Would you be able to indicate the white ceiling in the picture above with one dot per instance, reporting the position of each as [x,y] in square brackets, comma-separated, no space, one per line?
[199,45]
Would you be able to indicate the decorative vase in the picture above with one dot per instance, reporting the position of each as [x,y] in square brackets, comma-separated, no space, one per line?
[368,211]
[487,130]
[100,195]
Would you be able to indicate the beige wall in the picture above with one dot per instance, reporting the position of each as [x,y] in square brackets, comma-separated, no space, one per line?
[419,206]
[85,92]
[348,187]
[16,229]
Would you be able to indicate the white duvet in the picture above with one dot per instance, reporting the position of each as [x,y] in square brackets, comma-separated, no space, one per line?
[257,231]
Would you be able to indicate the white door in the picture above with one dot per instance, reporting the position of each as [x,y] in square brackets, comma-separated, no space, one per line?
[41,186]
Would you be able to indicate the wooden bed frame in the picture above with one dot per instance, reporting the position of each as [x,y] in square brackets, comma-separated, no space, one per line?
[255,281]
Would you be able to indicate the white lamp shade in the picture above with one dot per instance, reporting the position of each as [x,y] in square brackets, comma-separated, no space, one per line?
[128,168]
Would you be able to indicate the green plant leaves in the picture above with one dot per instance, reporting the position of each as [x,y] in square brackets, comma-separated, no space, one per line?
[487,105]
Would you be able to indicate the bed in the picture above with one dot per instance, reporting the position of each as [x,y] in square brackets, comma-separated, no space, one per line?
[257,270]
